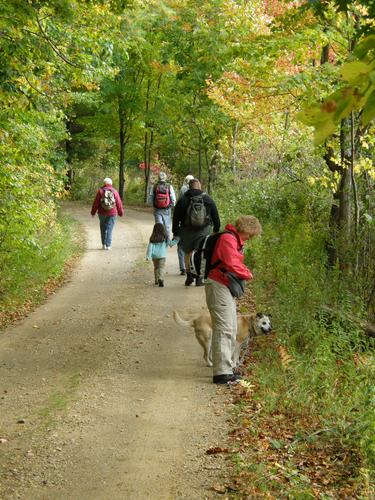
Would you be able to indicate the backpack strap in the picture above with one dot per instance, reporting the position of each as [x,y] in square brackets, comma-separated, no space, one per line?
[217,262]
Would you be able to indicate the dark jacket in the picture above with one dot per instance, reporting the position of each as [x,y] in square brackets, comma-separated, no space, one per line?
[180,210]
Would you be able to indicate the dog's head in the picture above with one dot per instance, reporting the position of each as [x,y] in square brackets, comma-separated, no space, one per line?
[263,324]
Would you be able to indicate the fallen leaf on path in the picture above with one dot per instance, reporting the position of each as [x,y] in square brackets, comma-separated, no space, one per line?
[216,449]
[219,488]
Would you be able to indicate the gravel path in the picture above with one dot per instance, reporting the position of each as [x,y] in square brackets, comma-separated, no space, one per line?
[102,395]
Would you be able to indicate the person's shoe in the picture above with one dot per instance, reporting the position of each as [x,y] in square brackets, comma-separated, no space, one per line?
[156,282]
[189,279]
[108,248]
[161,283]
[199,282]
[182,272]
[226,378]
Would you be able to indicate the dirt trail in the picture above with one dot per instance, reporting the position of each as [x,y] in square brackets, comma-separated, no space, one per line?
[102,395]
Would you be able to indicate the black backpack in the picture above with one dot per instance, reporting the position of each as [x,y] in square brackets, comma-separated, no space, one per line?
[200,259]
[196,213]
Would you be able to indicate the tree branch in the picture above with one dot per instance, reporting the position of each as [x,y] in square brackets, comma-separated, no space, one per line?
[54,48]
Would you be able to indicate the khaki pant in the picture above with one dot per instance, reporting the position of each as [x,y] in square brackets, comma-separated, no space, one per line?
[159,269]
[222,307]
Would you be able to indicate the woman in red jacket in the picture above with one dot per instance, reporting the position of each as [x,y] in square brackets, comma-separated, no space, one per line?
[228,252]
[108,204]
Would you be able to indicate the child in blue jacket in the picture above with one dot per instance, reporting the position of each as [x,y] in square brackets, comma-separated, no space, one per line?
[157,251]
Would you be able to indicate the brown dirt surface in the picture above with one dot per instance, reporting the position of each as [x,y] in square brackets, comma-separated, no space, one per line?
[102,395]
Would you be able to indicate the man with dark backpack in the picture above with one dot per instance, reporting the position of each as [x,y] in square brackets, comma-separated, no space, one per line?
[163,198]
[108,204]
[195,216]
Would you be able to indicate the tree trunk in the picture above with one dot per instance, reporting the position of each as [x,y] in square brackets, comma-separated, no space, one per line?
[234,147]
[345,186]
[121,180]
[200,158]
[213,169]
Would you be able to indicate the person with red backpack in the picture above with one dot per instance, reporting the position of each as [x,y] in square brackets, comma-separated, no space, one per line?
[108,204]
[163,198]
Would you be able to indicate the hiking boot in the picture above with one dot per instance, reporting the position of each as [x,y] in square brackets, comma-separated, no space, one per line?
[161,283]
[199,282]
[182,272]
[226,378]
[189,279]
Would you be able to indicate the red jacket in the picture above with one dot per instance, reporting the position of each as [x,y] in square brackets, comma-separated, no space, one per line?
[117,210]
[228,250]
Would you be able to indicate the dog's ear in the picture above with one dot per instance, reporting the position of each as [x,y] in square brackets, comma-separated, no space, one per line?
[258,315]
[269,315]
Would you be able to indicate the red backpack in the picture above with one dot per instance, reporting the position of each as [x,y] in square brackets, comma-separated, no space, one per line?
[162,198]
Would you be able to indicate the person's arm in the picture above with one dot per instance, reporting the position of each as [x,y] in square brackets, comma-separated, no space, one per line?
[215,216]
[172,195]
[176,221]
[119,206]
[96,203]
[149,251]
[151,196]
[231,259]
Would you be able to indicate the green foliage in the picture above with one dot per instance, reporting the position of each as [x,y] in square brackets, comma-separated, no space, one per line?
[330,370]
[30,267]
[356,93]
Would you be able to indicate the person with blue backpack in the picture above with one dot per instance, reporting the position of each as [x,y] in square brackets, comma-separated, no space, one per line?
[195,216]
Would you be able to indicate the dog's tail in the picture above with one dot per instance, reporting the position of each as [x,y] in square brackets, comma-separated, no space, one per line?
[180,321]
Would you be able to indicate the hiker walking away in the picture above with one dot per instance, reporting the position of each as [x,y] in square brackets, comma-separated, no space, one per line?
[157,251]
[108,204]
[180,252]
[227,272]
[163,198]
[195,216]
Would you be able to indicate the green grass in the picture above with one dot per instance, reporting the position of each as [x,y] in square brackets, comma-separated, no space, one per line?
[58,401]
[33,272]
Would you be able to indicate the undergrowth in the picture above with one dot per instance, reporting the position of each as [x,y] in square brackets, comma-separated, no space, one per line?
[309,421]
[33,271]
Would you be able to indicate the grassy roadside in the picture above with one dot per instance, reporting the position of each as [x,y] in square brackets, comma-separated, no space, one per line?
[35,275]
[283,447]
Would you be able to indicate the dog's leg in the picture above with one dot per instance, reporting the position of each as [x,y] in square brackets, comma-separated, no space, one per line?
[205,346]
[236,355]
[245,348]
[208,358]
[209,363]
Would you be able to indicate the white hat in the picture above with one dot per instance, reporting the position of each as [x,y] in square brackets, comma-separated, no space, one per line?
[107,180]
[188,178]
[162,176]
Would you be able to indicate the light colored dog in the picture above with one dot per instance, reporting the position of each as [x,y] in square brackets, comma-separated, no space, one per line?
[248,326]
